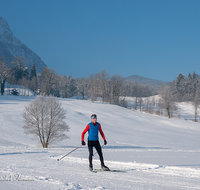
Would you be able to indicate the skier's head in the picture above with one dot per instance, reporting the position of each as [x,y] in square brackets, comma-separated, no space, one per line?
[94,118]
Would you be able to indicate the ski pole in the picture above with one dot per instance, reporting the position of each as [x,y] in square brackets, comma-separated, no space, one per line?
[69,152]
[96,152]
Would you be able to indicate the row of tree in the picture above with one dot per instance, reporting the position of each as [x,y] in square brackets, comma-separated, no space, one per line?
[108,88]
[182,89]
[185,88]
[100,85]
[17,73]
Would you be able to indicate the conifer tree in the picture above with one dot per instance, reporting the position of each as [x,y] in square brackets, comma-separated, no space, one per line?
[189,76]
[71,88]
[194,76]
[33,72]
[19,65]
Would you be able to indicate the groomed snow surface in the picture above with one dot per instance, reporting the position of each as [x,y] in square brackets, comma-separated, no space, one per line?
[156,152]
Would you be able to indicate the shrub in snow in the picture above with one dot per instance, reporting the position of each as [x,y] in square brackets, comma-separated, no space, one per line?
[15,92]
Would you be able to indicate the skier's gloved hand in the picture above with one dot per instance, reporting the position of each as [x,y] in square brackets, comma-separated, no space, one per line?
[105,142]
[83,143]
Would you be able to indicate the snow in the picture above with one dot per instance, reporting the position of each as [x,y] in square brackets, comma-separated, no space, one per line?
[185,110]
[156,152]
[6,34]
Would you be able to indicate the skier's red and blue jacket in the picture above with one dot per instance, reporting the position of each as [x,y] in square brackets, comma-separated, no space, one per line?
[93,131]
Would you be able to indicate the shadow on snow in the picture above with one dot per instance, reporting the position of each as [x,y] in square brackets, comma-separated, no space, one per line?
[12,153]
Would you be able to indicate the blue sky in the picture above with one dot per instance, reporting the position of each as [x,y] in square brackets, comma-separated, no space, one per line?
[152,38]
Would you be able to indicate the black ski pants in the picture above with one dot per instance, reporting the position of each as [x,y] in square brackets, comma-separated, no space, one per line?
[95,144]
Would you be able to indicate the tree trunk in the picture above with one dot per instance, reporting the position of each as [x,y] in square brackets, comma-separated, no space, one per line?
[195,114]
[136,102]
[168,111]
[140,103]
[2,86]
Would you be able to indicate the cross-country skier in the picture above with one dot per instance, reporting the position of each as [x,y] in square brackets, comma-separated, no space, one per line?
[93,129]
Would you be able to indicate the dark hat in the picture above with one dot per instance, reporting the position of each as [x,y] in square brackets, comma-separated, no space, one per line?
[93,116]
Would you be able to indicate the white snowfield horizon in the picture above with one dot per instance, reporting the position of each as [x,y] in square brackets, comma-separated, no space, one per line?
[156,152]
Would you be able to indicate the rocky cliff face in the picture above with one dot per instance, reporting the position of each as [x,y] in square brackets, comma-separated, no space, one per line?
[11,47]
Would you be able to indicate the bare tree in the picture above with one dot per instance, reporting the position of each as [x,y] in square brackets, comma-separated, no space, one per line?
[20,65]
[117,83]
[168,101]
[71,89]
[136,95]
[159,106]
[25,85]
[123,103]
[33,84]
[45,118]
[5,73]
[47,81]
[196,103]
[104,77]
[152,105]
[63,82]
[82,87]
[92,88]
[98,85]
[139,94]
[147,94]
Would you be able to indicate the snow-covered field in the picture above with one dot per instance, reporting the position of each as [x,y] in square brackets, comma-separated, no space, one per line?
[185,110]
[156,152]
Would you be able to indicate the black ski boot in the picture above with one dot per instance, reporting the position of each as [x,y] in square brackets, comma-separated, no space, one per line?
[90,168]
[105,168]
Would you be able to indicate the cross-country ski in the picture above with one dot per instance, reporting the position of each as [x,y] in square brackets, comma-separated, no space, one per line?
[101,170]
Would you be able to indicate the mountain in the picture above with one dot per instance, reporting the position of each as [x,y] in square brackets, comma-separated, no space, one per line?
[143,80]
[11,47]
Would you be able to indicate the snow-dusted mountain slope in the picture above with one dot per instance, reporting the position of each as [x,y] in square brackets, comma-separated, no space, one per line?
[11,47]
[144,80]
[156,152]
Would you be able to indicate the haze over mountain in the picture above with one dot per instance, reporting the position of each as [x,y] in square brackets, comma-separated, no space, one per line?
[144,80]
[11,47]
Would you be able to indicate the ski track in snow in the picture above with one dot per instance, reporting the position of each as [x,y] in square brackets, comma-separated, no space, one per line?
[156,152]
[43,170]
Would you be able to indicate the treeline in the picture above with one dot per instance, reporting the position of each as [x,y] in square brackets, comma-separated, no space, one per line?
[186,88]
[48,82]
[182,89]
[17,73]
[111,89]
